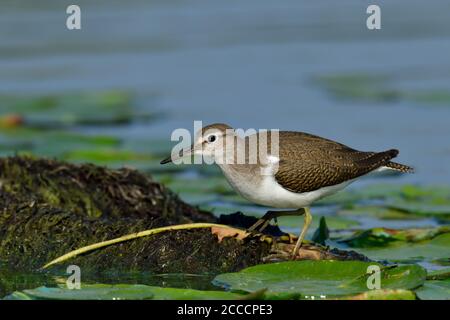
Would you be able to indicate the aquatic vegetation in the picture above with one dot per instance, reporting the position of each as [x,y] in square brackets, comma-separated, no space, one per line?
[49,209]
[434,290]
[428,246]
[318,278]
[344,215]
[63,110]
[421,252]
[380,237]
[59,197]
[376,89]
[121,292]
[359,86]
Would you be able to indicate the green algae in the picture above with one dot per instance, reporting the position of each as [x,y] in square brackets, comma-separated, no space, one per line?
[378,89]
[79,108]
[50,208]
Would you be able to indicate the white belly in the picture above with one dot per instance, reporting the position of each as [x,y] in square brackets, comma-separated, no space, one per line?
[266,191]
[271,194]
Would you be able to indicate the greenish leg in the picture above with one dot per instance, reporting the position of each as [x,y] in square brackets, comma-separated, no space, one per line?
[308,219]
[262,223]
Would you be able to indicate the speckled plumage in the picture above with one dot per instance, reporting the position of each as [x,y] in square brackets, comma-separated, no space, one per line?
[308,162]
[303,169]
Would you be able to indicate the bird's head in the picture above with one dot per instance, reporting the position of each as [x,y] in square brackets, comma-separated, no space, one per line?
[210,141]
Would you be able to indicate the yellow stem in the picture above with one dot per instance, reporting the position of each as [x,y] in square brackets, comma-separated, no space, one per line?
[131,236]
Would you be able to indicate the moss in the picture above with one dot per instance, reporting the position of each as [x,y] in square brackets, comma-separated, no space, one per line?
[49,208]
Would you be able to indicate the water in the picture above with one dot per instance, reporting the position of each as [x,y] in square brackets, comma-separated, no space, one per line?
[250,64]
[247,63]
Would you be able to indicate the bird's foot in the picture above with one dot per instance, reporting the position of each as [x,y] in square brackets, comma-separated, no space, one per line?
[263,222]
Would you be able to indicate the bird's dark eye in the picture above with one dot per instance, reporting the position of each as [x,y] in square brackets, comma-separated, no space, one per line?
[211,138]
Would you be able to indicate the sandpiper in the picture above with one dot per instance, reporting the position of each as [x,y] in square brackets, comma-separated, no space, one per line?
[304,169]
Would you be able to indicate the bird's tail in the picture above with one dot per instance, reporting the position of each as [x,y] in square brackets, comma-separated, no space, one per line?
[399,167]
[382,159]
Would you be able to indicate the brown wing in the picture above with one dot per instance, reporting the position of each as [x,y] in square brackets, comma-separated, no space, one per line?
[309,162]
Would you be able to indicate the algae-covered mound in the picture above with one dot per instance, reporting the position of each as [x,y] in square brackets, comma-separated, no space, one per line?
[49,208]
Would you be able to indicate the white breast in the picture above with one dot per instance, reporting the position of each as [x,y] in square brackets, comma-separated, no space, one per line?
[263,189]
[271,193]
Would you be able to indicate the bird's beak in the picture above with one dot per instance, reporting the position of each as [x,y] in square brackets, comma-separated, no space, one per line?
[174,157]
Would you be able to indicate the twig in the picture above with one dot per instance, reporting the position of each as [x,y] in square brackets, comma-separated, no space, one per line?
[131,236]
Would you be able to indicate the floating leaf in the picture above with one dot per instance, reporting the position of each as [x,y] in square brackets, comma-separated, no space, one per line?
[420,208]
[432,97]
[437,248]
[377,88]
[104,156]
[380,212]
[97,108]
[121,292]
[434,290]
[393,192]
[379,237]
[330,278]
[441,274]
[359,87]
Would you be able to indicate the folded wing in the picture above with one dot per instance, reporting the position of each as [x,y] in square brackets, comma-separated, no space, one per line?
[309,162]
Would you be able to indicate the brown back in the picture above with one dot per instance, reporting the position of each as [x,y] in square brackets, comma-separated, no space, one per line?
[309,162]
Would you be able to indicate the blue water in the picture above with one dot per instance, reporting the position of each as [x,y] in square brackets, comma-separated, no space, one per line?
[249,63]
[246,63]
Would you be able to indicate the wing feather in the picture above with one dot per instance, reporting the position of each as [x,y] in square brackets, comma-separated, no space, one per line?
[309,162]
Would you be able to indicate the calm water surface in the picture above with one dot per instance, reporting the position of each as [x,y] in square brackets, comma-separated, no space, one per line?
[246,63]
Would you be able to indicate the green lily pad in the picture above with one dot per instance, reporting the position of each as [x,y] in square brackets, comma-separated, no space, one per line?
[121,292]
[104,156]
[380,237]
[434,249]
[103,107]
[329,278]
[419,208]
[75,147]
[377,88]
[441,274]
[53,142]
[359,87]
[431,194]
[432,97]
[442,261]
[434,290]
[380,212]
[437,195]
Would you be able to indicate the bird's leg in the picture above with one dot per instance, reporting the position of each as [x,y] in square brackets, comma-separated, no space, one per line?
[308,219]
[262,223]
